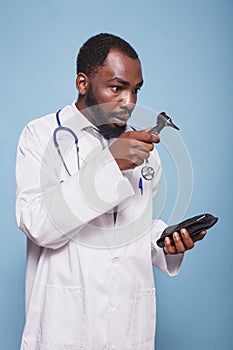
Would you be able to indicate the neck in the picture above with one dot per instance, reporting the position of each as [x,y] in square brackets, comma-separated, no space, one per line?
[82,107]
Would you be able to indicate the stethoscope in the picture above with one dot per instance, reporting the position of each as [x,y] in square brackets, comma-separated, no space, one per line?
[147,172]
[70,131]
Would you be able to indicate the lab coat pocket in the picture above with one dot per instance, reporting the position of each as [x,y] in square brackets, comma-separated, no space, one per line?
[144,317]
[63,319]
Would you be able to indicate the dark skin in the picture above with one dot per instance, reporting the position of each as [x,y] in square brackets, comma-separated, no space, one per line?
[114,87]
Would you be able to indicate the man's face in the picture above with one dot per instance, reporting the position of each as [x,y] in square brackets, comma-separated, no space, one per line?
[113,93]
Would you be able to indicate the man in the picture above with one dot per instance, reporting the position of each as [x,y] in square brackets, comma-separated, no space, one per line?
[91,239]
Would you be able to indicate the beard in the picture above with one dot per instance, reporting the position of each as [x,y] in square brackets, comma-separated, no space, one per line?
[109,131]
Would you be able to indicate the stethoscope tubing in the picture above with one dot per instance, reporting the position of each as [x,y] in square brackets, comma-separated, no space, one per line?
[56,144]
[147,172]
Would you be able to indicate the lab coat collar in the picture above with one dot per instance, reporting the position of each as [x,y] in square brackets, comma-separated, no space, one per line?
[83,122]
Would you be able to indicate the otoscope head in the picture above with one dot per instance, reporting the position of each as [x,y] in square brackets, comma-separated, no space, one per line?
[166,120]
[162,121]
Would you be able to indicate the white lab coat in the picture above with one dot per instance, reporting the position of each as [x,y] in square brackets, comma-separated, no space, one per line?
[89,283]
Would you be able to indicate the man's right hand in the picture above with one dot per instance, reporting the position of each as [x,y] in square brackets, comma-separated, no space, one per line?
[132,148]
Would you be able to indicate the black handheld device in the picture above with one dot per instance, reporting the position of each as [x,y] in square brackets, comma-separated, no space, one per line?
[194,226]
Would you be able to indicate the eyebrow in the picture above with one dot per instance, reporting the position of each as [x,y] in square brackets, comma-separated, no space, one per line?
[124,82]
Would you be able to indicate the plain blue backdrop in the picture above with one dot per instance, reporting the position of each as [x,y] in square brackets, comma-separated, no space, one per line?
[186,51]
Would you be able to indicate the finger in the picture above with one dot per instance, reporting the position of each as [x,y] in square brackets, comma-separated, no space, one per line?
[168,247]
[141,135]
[199,236]
[136,145]
[148,137]
[137,158]
[137,149]
[187,240]
[133,145]
[180,248]
[144,146]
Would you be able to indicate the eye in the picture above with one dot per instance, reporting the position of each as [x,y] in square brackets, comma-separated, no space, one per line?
[116,88]
[135,91]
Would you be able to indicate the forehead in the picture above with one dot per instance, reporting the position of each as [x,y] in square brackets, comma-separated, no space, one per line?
[119,65]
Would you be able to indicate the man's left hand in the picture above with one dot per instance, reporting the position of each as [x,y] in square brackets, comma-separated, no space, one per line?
[182,242]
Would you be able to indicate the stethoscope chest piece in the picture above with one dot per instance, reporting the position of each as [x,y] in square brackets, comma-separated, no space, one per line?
[147,172]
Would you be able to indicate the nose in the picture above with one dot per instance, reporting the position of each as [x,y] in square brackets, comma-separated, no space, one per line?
[128,100]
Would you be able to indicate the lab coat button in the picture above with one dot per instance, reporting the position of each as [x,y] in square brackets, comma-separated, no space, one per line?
[115,259]
[113,308]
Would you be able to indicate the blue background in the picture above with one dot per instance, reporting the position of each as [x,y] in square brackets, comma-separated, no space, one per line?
[186,51]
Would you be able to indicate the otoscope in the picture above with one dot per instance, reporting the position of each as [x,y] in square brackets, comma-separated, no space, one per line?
[162,121]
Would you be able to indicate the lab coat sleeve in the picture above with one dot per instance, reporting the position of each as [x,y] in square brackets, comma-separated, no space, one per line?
[51,213]
[168,263]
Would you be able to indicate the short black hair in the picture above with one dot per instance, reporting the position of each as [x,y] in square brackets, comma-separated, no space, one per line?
[95,50]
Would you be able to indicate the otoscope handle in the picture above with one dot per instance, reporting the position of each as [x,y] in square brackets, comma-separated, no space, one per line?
[156,129]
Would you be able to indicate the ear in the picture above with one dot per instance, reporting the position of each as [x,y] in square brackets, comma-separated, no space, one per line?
[82,83]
